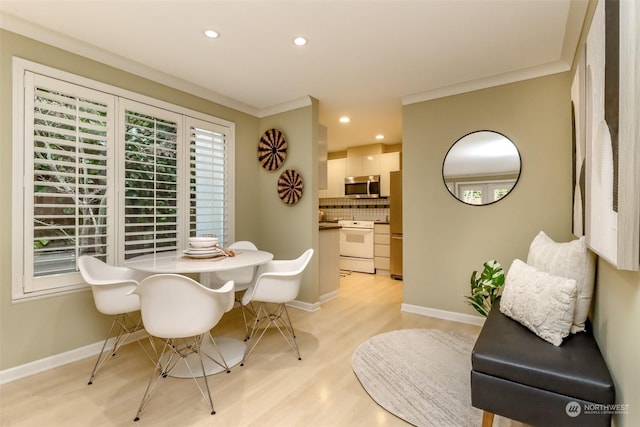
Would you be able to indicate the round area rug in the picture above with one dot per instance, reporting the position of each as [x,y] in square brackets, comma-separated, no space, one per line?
[420,375]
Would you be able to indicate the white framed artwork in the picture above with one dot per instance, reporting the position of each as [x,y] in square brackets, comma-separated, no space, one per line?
[612,129]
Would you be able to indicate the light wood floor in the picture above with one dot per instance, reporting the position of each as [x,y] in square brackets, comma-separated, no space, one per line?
[272,389]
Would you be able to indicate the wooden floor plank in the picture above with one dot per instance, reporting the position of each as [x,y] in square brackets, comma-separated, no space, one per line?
[272,389]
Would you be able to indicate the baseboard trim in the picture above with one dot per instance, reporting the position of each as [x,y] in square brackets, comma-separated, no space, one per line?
[443,314]
[329,296]
[37,366]
[306,306]
[311,307]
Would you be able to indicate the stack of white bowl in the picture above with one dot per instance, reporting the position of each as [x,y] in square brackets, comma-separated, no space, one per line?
[203,242]
[203,247]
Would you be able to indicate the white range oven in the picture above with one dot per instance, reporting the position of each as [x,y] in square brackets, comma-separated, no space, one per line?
[356,246]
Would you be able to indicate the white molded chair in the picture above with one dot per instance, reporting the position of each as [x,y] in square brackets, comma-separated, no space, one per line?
[181,311]
[242,277]
[111,287]
[276,283]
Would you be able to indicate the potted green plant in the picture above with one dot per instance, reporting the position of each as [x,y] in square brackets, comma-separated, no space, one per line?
[486,287]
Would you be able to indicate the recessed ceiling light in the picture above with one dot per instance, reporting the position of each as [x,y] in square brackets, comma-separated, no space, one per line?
[345,119]
[380,136]
[300,41]
[212,34]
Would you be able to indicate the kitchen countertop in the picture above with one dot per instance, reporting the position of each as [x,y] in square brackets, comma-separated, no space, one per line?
[331,224]
[328,225]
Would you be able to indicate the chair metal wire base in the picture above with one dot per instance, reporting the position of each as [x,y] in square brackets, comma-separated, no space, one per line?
[125,326]
[247,311]
[176,351]
[272,315]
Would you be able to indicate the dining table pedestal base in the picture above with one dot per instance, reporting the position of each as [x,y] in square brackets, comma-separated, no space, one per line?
[232,350]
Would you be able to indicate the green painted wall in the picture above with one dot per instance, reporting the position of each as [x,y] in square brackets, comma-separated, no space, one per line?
[445,240]
[288,230]
[616,323]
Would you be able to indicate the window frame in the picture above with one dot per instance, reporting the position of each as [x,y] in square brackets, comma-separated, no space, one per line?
[486,189]
[72,282]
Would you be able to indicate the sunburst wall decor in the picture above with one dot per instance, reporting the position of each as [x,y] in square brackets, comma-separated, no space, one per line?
[272,149]
[290,187]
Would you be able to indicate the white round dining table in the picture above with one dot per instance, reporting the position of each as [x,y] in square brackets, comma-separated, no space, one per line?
[175,262]
[178,263]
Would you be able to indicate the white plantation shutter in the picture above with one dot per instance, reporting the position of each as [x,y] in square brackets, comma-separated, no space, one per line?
[151,139]
[209,177]
[102,171]
[68,138]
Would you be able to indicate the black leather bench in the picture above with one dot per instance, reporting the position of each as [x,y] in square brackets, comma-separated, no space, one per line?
[517,375]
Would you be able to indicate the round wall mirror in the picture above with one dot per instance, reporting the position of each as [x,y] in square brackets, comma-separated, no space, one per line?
[481,167]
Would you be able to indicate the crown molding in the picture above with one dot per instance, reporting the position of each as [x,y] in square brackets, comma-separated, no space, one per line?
[78,47]
[492,81]
[303,101]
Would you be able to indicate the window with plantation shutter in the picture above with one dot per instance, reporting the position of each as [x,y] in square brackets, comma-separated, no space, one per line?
[209,177]
[151,182]
[101,171]
[68,141]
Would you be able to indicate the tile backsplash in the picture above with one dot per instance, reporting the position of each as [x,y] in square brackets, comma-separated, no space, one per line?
[361,209]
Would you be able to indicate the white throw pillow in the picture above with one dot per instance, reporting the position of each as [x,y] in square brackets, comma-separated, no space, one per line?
[541,302]
[571,259]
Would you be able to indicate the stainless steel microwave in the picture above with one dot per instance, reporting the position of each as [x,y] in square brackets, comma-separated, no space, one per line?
[362,187]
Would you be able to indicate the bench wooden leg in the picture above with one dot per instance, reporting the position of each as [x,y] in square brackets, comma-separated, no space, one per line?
[487,419]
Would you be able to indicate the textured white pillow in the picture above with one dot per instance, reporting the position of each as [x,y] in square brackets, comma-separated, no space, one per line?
[572,260]
[541,302]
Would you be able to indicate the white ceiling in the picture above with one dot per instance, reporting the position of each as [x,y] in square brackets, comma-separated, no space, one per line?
[364,59]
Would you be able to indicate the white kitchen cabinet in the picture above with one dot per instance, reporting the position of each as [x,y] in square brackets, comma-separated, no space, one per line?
[389,162]
[382,248]
[377,164]
[322,158]
[335,178]
[353,166]
[371,165]
[363,165]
